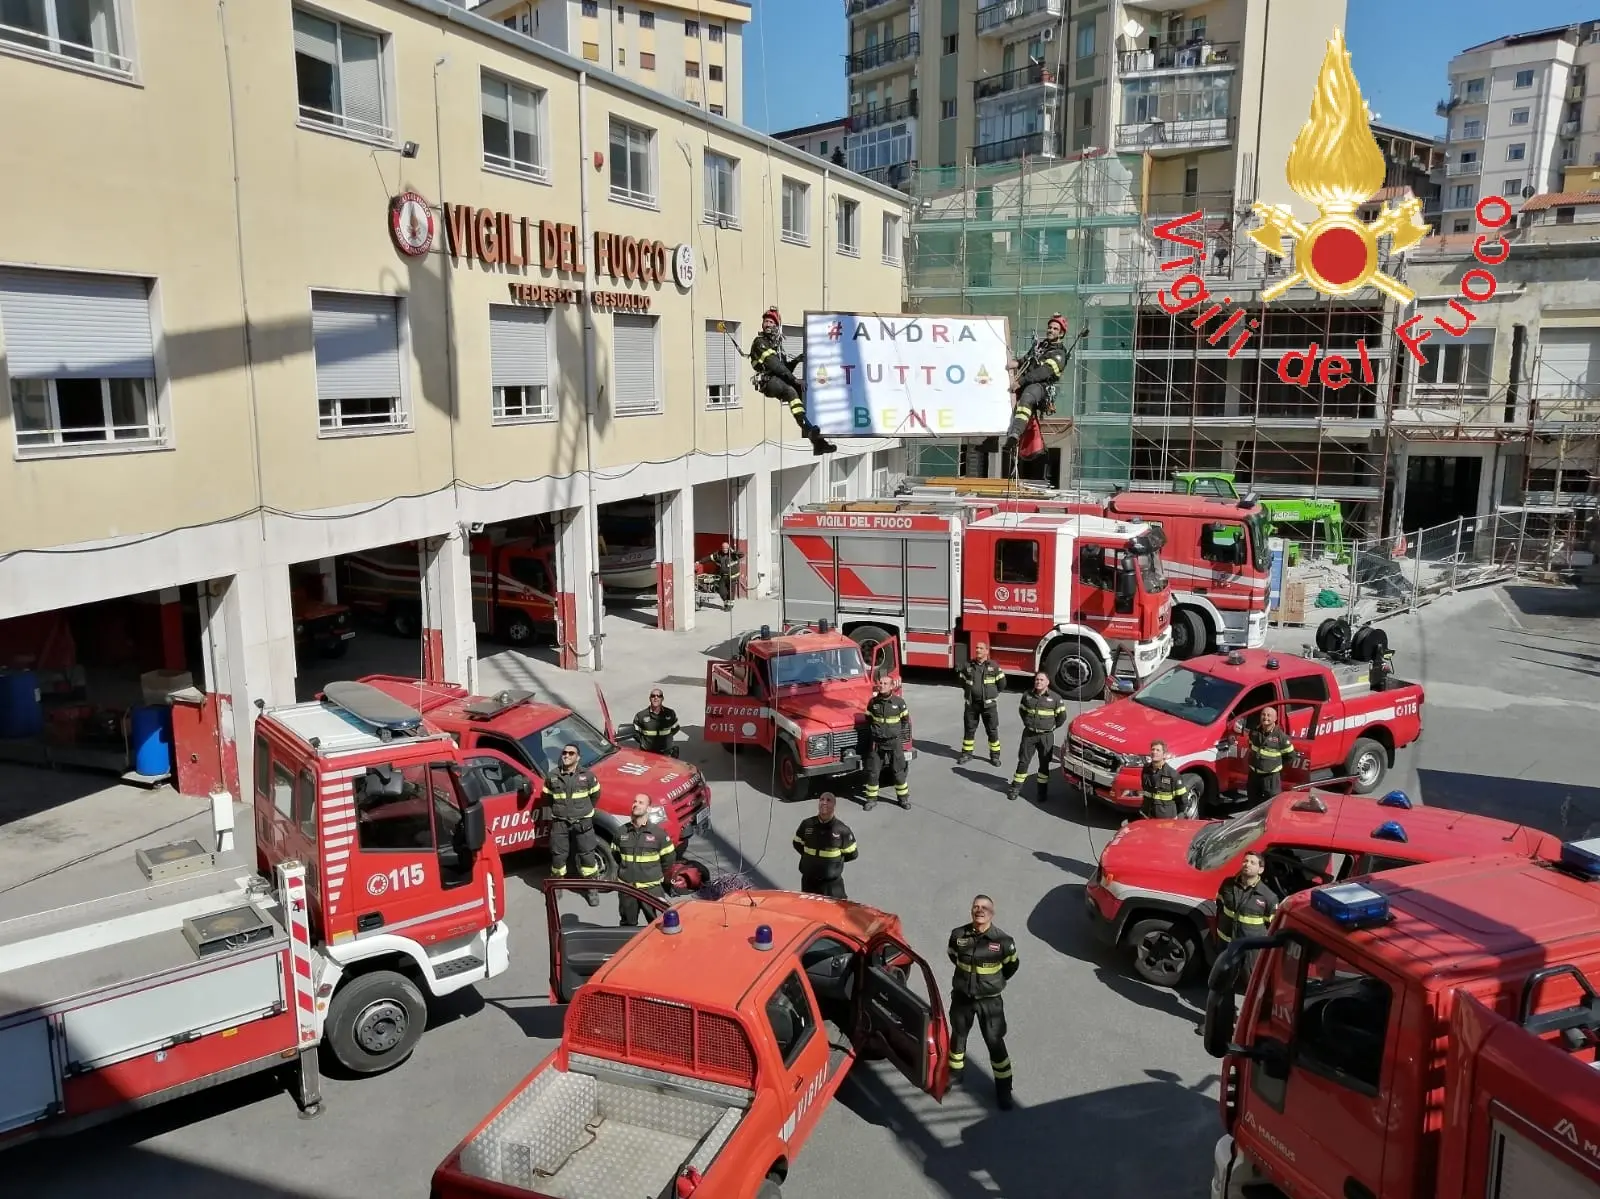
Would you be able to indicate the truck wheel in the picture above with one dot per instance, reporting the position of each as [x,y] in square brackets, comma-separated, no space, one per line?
[793,787]
[517,629]
[770,1190]
[1164,950]
[1190,638]
[1367,763]
[375,1022]
[404,620]
[867,637]
[332,649]
[1075,670]
[607,854]
[1199,788]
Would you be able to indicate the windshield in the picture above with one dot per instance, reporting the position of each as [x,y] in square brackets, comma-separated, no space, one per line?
[1189,695]
[817,666]
[1150,572]
[543,746]
[1216,844]
[1260,555]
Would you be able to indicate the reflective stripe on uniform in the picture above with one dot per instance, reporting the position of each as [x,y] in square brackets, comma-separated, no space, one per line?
[971,969]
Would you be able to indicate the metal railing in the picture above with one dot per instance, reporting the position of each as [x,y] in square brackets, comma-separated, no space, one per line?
[883,54]
[1029,144]
[856,7]
[995,17]
[888,114]
[1035,74]
[1202,131]
[38,41]
[1200,55]
[1463,168]
[894,175]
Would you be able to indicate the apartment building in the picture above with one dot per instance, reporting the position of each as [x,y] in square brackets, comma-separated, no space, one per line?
[1520,115]
[825,139]
[691,50]
[1415,162]
[289,286]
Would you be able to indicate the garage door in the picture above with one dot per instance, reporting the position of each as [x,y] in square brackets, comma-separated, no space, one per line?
[1523,1171]
[1569,363]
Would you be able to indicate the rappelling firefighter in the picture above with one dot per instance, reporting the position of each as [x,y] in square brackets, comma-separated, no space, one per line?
[775,377]
[1036,374]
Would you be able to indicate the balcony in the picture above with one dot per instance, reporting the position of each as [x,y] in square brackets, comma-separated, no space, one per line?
[1569,128]
[856,7]
[1010,18]
[1454,169]
[1158,136]
[897,175]
[1029,145]
[888,114]
[1199,56]
[883,55]
[1575,91]
[1033,75]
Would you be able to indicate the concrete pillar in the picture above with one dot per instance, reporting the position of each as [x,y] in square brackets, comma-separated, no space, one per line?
[1397,501]
[744,532]
[330,580]
[675,559]
[577,566]
[449,638]
[756,498]
[248,643]
[174,656]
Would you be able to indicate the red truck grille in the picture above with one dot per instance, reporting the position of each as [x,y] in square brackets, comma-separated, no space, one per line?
[666,1036]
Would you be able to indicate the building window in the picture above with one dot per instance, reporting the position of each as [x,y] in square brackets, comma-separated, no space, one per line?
[1462,195]
[1519,116]
[891,239]
[622,14]
[339,75]
[513,126]
[885,146]
[714,32]
[519,364]
[1085,39]
[1473,129]
[622,58]
[1524,79]
[715,73]
[81,359]
[691,69]
[647,19]
[822,147]
[947,110]
[647,61]
[691,29]
[356,344]
[1516,151]
[1183,99]
[796,212]
[1085,112]
[591,8]
[847,226]
[724,361]
[634,371]
[716,110]
[1461,226]
[1511,189]
[632,168]
[591,51]
[1566,216]
[951,42]
[1456,365]
[1468,157]
[83,31]
[839,472]
[722,189]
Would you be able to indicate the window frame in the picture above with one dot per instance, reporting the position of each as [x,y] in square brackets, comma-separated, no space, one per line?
[51,441]
[647,19]
[283,788]
[1310,1061]
[647,60]
[305,814]
[1004,570]
[400,414]
[538,171]
[120,63]
[425,769]
[1527,73]
[691,68]
[808,1012]
[378,135]
[589,8]
[847,218]
[732,399]
[715,159]
[801,206]
[1521,116]
[629,194]
[714,33]
[893,240]
[659,405]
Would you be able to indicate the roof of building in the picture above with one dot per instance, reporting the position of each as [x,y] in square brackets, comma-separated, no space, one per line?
[1448,243]
[1559,200]
[1401,192]
[1396,131]
[804,130]
[1516,39]
[497,32]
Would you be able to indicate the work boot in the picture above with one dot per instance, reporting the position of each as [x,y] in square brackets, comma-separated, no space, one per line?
[963,757]
[1002,1094]
[869,804]
[905,802]
[994,758]
[1012,792]
[1009,444]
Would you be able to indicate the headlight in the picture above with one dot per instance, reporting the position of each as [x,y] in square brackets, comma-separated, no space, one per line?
[657,814]
[817,747]
[1139,760]
[298,629]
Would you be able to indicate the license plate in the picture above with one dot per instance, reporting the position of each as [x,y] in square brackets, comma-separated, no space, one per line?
[346,636]
[1080,768]
[700,820]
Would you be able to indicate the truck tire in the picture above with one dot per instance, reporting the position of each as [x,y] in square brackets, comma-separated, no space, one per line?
[1199,788]
[791,785]
[1190,635]
[332,649]
[1076,670]
[607,854]
[375,1021]
[1366,765]
[867,636]
[1165,949]
[405,620]
[516,628]
[770,1190]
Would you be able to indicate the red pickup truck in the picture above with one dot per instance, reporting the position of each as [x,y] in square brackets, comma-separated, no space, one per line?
[1156,884]
[1341,724]
[700,1051]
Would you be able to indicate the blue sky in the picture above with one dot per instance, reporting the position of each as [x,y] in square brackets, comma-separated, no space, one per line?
[794,53]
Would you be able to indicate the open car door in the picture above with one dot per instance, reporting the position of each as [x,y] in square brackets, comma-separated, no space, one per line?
[906,1018]
[883,659]
[1299,718]
[583,939]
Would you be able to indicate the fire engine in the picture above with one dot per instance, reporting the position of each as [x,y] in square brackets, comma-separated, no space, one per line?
[374,889]
[1082,598]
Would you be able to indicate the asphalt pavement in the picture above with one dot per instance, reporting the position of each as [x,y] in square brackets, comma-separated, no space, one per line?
[1116,1097]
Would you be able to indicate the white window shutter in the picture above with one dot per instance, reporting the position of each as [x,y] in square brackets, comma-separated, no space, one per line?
[357,345]
[519,346]
[633,371]
[64,326]
[316,38]
[361,79]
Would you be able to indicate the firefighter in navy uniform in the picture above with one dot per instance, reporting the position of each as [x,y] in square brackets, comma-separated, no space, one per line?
[1162,793]
[1245,907]
[571,792]
[1269,746]
[644,855]
[887,716]
[985,959]
[775,377]
[655,726]
[981,684]
[1043,712]
[1036,374]
[824,845]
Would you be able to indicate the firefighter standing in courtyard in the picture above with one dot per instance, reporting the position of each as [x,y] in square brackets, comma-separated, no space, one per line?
[1043,712]
[655,726]
[644,855]
[824,844]
[572,793]
[1245,907]
[981,683]
[1162,793]
[775,377]
[725,564]
[985,958]
[1268,747]
[1035,375]
[887,716]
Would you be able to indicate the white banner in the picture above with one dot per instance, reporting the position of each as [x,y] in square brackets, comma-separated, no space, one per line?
[907,376]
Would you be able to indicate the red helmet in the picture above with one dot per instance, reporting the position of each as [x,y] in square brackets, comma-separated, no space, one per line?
[1057,319]
[772,315]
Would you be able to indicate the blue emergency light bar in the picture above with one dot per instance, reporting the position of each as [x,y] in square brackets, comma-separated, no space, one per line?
[1582,857]
[1350,904]
[1396,799]
[671,922]
[763,939]
[1390,830]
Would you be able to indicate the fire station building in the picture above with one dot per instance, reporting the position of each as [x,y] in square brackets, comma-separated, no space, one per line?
[285,287]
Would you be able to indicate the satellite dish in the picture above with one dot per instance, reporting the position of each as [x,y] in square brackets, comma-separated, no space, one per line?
[1526,192]
[1133,31]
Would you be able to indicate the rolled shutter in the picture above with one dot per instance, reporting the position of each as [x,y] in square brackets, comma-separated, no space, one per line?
[519,346]
[316,38]
[794,341]
[357,344]
[64,326]
[361,79]
[1565,358]
[633,351]
[723,355]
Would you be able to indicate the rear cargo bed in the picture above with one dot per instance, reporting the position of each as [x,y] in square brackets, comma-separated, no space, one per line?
[603,1130]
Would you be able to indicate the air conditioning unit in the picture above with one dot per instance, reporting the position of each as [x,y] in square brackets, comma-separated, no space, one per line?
[1047,34]
[855,97]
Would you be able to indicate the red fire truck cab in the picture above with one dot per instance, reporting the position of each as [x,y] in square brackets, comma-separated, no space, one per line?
[375,888]
[1428,1033]
[1082,598]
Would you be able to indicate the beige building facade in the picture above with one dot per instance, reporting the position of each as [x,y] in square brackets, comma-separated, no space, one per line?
[283,283]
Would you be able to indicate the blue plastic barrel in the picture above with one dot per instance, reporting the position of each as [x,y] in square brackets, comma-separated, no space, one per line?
[151,733]
[21,713]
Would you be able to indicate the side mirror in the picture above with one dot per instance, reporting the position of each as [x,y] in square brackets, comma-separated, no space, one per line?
[1239,727]
[1222,1014]
[474,832]
[524,790]
[1127,586]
